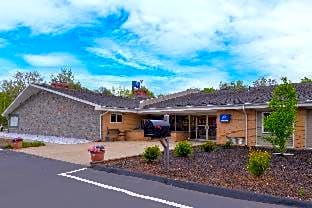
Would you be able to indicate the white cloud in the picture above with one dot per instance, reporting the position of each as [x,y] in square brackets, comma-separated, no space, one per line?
[272,36]
[49,16]
[51,60]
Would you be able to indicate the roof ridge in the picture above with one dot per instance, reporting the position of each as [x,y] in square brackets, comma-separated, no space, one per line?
[151,101]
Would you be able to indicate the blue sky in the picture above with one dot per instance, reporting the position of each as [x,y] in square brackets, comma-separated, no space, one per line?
[171,45]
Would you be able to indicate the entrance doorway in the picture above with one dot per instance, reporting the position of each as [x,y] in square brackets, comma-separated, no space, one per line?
[203,127]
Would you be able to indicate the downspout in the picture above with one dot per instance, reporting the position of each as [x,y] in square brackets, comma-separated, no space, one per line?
[246,125]
[102,114]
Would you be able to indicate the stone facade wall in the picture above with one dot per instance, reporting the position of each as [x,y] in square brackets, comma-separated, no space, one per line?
[49,114]
[236,127]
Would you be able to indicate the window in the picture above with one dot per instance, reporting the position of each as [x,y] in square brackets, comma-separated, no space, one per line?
[116,118]
[264,114]
[14,120]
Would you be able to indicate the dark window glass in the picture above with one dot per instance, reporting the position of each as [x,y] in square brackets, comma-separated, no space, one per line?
[119,118]
[264,130]
[113,118]
[116,118]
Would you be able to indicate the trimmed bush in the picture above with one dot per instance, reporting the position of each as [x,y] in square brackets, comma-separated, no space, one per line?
[183,149]
[208,146]
[151,153]
[227,145]
[32,144]
[258,162]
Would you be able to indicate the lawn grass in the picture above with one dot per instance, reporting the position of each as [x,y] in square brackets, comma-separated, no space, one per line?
[26,144]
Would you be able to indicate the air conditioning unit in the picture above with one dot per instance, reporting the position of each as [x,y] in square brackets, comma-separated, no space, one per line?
[237,140]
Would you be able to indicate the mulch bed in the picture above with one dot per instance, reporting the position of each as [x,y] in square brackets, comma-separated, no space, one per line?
[288,176]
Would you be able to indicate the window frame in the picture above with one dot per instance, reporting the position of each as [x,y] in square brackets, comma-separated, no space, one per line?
[18,120]
[262,124]
[116,117]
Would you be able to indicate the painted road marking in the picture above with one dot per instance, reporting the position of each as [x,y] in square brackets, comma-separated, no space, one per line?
[130,193]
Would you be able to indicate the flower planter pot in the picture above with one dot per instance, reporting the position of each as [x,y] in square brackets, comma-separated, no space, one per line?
[97,157]
[17,145]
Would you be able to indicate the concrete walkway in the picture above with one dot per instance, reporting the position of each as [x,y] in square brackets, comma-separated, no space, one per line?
[78,153]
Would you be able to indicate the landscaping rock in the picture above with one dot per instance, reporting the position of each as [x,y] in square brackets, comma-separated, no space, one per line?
[288,176]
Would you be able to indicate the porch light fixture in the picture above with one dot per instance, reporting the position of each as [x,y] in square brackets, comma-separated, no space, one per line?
[188,106]
[247,103]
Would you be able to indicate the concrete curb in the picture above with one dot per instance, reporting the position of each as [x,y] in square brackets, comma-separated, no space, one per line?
[237,194]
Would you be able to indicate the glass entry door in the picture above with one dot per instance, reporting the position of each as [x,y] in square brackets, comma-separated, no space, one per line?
[201,127]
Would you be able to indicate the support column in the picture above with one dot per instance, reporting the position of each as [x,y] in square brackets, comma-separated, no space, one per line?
[175,122]
[189,119]
[196,128]
[207,127]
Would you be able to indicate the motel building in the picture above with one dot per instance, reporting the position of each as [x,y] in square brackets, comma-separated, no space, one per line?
[220,116]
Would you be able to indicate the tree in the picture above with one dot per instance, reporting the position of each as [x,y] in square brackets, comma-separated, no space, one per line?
[208,90]
[20,80]
[5,101]
[104,91]
[280,122]
[123,92]
[148,92]
[127,93]
[306,80]
[11,88]
[234,85]
[264,82]
[67,76]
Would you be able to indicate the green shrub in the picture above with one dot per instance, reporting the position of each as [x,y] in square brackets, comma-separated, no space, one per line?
[151,153]
[183,149]
[32,144]
[7,146]
[258,162]
[227,145]
[301,192]
[208,146]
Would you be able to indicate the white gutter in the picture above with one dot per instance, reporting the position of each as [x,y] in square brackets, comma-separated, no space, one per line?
[190,109]
[246,125]
[121,110]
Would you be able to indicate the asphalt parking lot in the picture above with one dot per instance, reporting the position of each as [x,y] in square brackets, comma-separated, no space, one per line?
[31,181]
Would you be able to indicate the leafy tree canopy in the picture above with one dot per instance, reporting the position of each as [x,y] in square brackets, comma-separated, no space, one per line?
[234,85]
[263,82]
[306,80]
[104,91]
[208,90]
[280,122]
[124,92]
[19,81]
[67,76]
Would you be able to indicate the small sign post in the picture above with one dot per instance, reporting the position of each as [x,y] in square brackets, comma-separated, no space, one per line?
[165,143]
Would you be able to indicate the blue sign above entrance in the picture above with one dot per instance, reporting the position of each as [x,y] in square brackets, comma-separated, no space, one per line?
[225,118]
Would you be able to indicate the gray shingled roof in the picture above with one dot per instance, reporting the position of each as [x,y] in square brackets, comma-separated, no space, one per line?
[98,98]
[254,95]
